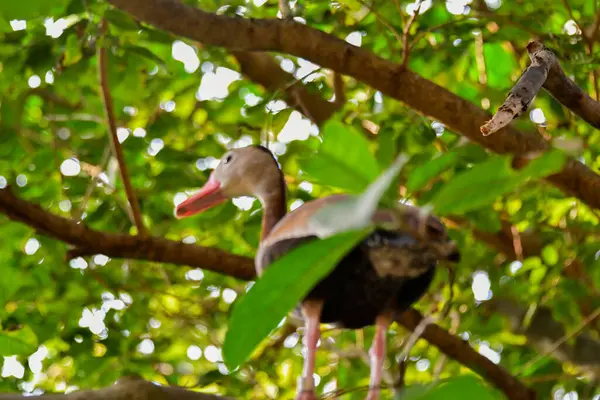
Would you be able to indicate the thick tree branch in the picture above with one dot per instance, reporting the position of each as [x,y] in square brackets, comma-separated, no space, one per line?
[88,241]
[114,140]
[126,389]
[565,90]
[391,79]
[168,251]
[544,71]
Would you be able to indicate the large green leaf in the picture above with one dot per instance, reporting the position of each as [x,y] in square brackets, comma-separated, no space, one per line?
[20,342]
[484,183]
[343,160]
[278,290]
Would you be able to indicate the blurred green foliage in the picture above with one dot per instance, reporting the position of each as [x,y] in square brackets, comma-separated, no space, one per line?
[87,322]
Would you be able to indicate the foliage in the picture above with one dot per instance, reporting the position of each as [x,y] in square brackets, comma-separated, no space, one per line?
[85,322]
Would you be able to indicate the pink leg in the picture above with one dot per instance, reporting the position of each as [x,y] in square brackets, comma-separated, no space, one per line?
[312,315]
[377,355]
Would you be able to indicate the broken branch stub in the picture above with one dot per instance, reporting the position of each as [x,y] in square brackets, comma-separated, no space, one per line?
[532,80]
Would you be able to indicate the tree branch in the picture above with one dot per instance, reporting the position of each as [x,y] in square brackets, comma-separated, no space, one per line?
[544,70]
[126,389]
[461,351]
[391,79]
[564,89]
[114,140]
[91,241]
[88,241]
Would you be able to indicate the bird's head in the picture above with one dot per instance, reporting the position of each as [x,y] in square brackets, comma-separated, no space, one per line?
[247,171]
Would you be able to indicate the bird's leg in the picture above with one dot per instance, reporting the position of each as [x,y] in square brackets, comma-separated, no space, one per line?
[377,355]
[312,316]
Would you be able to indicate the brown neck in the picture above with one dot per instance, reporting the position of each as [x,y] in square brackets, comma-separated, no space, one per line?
[274,207]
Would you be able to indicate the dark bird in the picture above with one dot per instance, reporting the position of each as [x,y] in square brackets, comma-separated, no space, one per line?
[379,278]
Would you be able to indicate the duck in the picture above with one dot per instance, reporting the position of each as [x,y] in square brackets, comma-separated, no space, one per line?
[381,277]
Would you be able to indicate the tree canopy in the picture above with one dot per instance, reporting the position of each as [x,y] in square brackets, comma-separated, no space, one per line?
[113,111]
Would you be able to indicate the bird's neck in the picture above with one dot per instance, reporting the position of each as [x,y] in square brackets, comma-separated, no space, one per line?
[274,205]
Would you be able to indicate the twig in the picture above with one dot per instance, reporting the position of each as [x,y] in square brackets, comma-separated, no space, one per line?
[383,20]
[112,126]
[90,188]
[523,92]
[415,335]
[439,366]
[285,10]
[406,35]
[480,58]
[401,374]
[517,245]
[339,90]
[559,342]
[545,70]
[570,11]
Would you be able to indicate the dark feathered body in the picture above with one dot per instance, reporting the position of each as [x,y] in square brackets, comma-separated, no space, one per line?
[387,271]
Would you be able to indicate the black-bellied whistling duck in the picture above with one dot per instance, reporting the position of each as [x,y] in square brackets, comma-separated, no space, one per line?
[380,277]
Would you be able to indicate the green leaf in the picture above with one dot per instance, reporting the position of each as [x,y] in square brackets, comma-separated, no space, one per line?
[21,342]
[484,183]
[548,163]
[121,19]
[29,9]
[278,290]
[479,186]
[421,175]
[343,160]
[144,52]
[550,255]
[280,119]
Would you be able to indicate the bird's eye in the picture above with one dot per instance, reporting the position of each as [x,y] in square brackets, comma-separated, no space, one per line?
[227,159]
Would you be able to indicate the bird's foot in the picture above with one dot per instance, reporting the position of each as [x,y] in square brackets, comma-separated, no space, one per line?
[306,395]
[373,394]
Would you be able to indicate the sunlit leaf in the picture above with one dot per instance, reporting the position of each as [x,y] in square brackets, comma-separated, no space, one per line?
[485,182]
[18,342]
[343,160]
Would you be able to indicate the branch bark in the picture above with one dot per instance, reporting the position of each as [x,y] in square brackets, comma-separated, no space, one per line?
[544,71]
[126,389]
[391,79]
[114,140]
[90,241]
